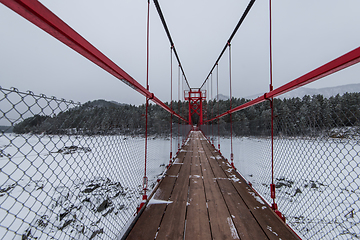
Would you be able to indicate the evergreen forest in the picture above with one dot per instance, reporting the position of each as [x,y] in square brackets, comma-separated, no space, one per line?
[309,116]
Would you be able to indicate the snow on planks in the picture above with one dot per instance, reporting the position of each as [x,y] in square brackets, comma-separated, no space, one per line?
[202,197]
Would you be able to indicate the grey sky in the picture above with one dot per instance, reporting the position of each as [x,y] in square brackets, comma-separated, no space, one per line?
[306,34]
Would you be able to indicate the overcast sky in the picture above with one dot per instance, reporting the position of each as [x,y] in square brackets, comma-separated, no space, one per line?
[306,34]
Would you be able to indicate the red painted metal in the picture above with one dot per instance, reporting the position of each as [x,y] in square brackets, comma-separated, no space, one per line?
[42,17]
[280,215]
[231,125]
[184,110]
[329,68]
[212,111]
[272,185]
[272,190]
[179,68]
[143,202]
[218,107]
[145,181]
[272,148]
[232,161]
[171,103]
[195,97]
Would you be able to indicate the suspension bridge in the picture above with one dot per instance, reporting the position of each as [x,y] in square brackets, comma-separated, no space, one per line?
[68,185]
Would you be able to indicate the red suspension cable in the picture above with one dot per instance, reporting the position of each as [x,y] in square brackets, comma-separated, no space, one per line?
[171,100]
[270,45]
[39,15]
[145,179]
[212,111]
[179,107]
[181,96]
[271,100]
[218,107]
[342,62]
[272,185]
[231,127]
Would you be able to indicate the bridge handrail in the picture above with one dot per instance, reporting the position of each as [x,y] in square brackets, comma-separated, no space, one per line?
[329,68]
[42,17]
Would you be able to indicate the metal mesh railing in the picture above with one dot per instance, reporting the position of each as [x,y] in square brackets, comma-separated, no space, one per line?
[316,160]
[72,171]
[317,166]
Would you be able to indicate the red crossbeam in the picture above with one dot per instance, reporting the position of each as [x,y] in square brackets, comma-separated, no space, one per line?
[42,17]
[329,68]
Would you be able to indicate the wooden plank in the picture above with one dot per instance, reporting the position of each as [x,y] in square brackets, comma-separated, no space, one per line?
[247,226]
[149,221]
[270,223]
[175,167]
[222,226]
[180,157]
[197,219]
[218,171]
[203,188]
[173,223]
[173,170]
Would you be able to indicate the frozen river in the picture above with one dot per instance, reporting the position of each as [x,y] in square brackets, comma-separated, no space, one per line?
[89,187]
[317,181]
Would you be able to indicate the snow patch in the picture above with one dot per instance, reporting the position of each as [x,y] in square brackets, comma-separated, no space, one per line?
[270,229]
[257,198]
[173,176]
[234,178]
[157,201]
[234,234]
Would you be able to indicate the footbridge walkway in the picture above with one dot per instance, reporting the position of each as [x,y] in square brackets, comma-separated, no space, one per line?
[79,171]
[202,197]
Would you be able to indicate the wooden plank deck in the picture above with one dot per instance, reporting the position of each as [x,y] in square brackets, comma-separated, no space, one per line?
[202,197]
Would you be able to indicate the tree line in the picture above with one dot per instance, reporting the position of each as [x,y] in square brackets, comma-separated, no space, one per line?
[308,116]
[311,115]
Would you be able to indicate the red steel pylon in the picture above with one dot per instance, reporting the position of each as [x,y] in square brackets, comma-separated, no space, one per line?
[195,97]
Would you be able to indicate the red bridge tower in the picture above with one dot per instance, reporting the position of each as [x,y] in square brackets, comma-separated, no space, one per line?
[195,97]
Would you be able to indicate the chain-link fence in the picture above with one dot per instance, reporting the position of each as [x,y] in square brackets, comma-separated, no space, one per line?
[72,171]
[316,160]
